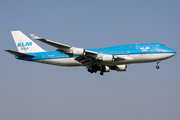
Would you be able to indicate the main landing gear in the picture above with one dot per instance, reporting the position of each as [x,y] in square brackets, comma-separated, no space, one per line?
[94,68]
[157,66]
[101,73]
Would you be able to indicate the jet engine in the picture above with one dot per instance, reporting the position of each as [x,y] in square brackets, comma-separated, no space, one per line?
[107,69]
[107,58]
[121,67]
[78,51]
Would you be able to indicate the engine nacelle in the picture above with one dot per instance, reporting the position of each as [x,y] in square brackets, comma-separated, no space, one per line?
[107,58]
[121,67]
[107,69]
[78,51]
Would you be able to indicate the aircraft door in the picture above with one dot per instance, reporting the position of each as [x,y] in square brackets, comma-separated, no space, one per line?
[128,52]
[43,57]
[151,52]
[137,46]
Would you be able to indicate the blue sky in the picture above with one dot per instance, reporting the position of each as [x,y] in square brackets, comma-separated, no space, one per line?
[37,91]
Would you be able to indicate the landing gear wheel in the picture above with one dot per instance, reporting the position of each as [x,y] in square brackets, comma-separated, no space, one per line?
[101,73]
[157,67]
[93,69]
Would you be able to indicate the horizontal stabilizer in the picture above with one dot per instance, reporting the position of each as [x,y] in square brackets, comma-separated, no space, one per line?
[19,54]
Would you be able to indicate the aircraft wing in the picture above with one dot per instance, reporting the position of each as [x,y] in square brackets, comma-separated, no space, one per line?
[61,47]
[86,57]
[52,43]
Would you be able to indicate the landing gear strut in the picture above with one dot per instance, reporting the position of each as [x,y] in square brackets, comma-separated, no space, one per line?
[157,66]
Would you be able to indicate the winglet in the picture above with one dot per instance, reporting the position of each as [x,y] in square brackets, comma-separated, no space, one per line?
[35,37]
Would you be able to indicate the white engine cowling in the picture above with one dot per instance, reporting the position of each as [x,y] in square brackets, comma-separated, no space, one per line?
[107,58]
[107,69]
[121,67]
[78,51]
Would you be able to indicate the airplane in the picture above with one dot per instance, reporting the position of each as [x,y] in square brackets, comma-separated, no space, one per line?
[101,59]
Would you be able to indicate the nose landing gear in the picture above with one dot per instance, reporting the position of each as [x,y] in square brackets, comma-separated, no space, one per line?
[157,66]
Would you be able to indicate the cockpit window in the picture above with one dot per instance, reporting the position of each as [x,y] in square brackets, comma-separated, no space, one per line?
[162,45]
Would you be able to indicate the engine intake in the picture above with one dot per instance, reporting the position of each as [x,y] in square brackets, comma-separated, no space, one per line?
[107,69]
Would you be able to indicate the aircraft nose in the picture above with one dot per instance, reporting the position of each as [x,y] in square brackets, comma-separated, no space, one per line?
[175,53]
[172,52]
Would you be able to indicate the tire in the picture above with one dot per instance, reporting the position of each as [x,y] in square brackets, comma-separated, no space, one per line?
[157,67]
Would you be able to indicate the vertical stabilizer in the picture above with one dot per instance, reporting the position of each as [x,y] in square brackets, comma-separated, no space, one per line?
[24,44]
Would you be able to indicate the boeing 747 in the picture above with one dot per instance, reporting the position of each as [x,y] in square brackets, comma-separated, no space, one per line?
[101,59]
